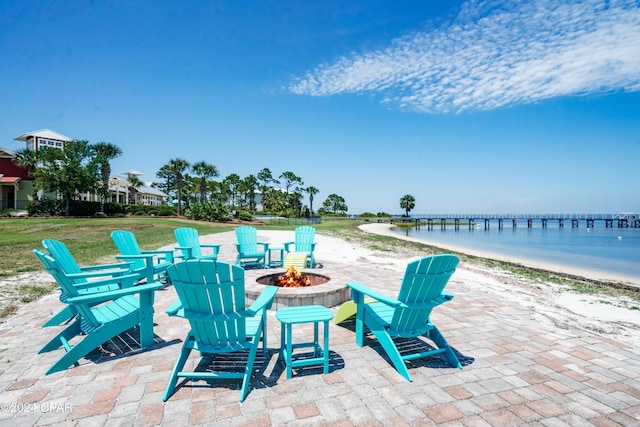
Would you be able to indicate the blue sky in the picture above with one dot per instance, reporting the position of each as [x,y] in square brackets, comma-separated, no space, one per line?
[470,106]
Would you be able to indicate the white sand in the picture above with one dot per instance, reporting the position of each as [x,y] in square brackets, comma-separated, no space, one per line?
[386,230]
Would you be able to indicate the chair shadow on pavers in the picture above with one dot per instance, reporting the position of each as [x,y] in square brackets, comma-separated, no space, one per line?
[234,364]
[336,363]
[408,346]
[124,345]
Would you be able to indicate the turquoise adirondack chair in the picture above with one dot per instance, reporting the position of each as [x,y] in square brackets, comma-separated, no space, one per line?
[303,243]
[408,315]
[152,264]
[101,315]
[189,244]
[211,297]
[60,253]
[249,252]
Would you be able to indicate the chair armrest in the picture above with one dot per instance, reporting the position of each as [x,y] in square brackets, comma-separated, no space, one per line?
[187,249]
[264,300]
[173,309]
[140,256]
[123,266]
[97,273]
[115,294]
[265,245]
[359,288]
[216,248]
[168,253]
[444,297]
[286,246]
[128,279]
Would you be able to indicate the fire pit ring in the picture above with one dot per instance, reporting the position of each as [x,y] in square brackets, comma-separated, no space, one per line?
[332,292]
[315,279]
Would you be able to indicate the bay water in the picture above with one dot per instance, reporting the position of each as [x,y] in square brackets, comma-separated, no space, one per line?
[599,251]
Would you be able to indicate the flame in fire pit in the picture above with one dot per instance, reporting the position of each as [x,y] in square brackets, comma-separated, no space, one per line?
[293,278]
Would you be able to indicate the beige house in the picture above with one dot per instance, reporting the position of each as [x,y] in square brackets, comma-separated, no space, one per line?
[122,192]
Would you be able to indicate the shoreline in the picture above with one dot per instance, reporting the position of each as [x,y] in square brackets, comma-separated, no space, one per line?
[582,273]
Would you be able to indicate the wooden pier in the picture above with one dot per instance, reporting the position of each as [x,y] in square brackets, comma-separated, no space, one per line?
[621,220]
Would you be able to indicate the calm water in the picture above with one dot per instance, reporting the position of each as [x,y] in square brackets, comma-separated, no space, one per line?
[613,251]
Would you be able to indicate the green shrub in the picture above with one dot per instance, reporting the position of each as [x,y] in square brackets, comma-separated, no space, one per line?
[209,211]
[244,216]
[166,212]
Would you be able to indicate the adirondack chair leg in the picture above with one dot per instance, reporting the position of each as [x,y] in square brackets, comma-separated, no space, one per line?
[89,343]
[249,368]
[184,355]
[358,298]
[63,316]
[146,319]
[390,348]
[66,334]
[441,342]
[264,333]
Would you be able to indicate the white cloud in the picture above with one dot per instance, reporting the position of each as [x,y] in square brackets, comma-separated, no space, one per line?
[495,54]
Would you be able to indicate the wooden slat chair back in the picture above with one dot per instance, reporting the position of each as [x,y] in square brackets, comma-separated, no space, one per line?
[189,243]
[152,264]
[100,315]
[423,283]
[304,242]
[211,296]
[250,251]
[408,315]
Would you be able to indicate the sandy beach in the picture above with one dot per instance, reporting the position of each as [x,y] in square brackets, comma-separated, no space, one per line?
[386,230]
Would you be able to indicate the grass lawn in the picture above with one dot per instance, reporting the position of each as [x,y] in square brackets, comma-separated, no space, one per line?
[89,239]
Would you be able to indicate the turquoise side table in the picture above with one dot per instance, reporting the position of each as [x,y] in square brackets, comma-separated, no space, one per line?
[315,314]
[276,262]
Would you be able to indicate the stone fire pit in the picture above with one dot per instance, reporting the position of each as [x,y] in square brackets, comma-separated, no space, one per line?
[327,288]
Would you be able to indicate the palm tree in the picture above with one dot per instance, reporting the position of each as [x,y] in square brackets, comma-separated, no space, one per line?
[204,170]
[28,159]
[177,168]
[311,191]
[249,185]
[407,202]
[105,152]
[134,183]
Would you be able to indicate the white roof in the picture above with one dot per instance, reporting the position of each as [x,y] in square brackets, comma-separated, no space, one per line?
[151,190]
[7,153]
[44,133]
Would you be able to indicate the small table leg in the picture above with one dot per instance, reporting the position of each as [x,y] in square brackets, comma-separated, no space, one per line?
[326,347]
[289,338]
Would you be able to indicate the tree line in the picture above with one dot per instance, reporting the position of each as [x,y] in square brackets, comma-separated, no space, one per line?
[83,167]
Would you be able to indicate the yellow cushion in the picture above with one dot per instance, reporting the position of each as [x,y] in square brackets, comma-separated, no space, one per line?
[296,259]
